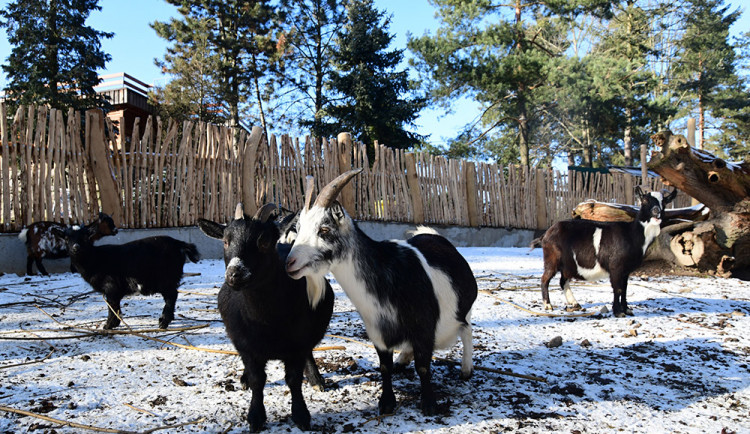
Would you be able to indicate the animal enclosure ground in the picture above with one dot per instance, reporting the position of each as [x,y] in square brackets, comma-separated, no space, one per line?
[679,365]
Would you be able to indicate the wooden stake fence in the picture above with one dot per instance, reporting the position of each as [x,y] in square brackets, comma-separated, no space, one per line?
[168,175]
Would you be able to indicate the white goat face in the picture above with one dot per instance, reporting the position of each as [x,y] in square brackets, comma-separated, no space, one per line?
[322,241]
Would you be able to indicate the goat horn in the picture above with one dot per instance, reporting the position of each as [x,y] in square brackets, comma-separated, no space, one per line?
[329,192]
[309,184]
[264,212]
[239,212]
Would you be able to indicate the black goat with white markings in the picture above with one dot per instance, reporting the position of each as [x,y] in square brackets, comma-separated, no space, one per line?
[592,250]
[147,266]
[42,243]
[268,315]
[414,295]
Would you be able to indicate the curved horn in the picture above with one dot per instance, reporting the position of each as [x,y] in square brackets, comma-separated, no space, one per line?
[239,212]
[264,212]
[309,184]
[329,192]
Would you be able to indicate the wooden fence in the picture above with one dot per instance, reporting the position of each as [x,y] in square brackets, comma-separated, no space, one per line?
[67,169]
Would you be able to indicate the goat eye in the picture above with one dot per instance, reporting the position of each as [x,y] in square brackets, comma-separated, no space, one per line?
[226,243]
[323,230]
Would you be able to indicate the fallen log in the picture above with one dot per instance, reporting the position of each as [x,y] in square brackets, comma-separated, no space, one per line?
[721,243]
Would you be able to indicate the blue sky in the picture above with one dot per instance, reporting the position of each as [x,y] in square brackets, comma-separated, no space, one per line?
[135,46]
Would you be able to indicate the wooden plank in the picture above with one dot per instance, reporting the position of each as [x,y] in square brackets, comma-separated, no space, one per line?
[249,162]
[5,169]
[100,163]
[541,200]
[471,194]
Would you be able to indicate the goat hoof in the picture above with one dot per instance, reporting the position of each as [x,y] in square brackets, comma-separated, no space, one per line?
[164,323]
[301,418]
[466,375]
[629,312]
[244,382]
[548,306]
[386,405]
[429,408]
[619,314]
[256,419]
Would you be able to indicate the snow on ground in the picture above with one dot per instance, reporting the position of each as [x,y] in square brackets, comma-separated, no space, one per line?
[679,365]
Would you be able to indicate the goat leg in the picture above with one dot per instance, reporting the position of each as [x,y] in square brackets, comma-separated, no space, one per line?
[313,374]
[113,316]
[29,263]
[300,414]
[40,267]
[422,360]
[255,374]
[467,368]
[167,315]
[387,403]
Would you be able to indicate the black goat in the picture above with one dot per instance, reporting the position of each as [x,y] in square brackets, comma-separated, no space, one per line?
[41,242]
[147,266]
[592,250]
[268,315]
[414,295]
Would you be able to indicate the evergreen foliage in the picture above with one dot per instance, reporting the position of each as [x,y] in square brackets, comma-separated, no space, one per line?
[241,34]
[373,99]
[306,65]
[55,55]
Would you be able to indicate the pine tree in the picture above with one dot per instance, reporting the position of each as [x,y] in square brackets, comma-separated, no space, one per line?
[501,53]
[310,28]
[241,34]
[706,59]
[193,93]
[373,97]
[55,56]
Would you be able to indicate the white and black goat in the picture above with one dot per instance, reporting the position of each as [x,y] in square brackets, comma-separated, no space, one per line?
[41,242]
[268,315]
[413,295]
[592,250]
[147,266]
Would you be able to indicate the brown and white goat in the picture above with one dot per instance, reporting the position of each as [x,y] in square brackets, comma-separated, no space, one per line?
[41,241]
[592,250]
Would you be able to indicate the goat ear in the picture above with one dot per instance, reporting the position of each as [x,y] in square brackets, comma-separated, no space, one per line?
[211,229]
[638,191]
[671,196]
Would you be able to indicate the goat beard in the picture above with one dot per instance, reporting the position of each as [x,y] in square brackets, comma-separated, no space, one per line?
[316,289]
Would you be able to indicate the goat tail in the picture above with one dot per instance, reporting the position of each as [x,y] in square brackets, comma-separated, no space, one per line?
[22,235]
[536,242]
[191,252]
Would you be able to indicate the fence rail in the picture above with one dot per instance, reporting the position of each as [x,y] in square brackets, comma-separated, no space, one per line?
[67,168]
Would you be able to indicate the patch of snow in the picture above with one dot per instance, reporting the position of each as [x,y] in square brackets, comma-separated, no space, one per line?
[679,365]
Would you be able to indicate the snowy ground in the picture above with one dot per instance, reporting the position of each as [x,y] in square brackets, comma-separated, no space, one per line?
[679,365]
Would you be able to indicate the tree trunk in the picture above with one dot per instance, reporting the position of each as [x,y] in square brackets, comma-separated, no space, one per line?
[721,243]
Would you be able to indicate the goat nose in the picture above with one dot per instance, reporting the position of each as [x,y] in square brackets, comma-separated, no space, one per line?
[290,261]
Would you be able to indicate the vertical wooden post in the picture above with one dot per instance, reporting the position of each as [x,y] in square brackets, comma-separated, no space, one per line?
[95,144]
[470,173]
[541,200]
[415,189]
[644,167]
[345,163]
[249,161]
[629,199]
